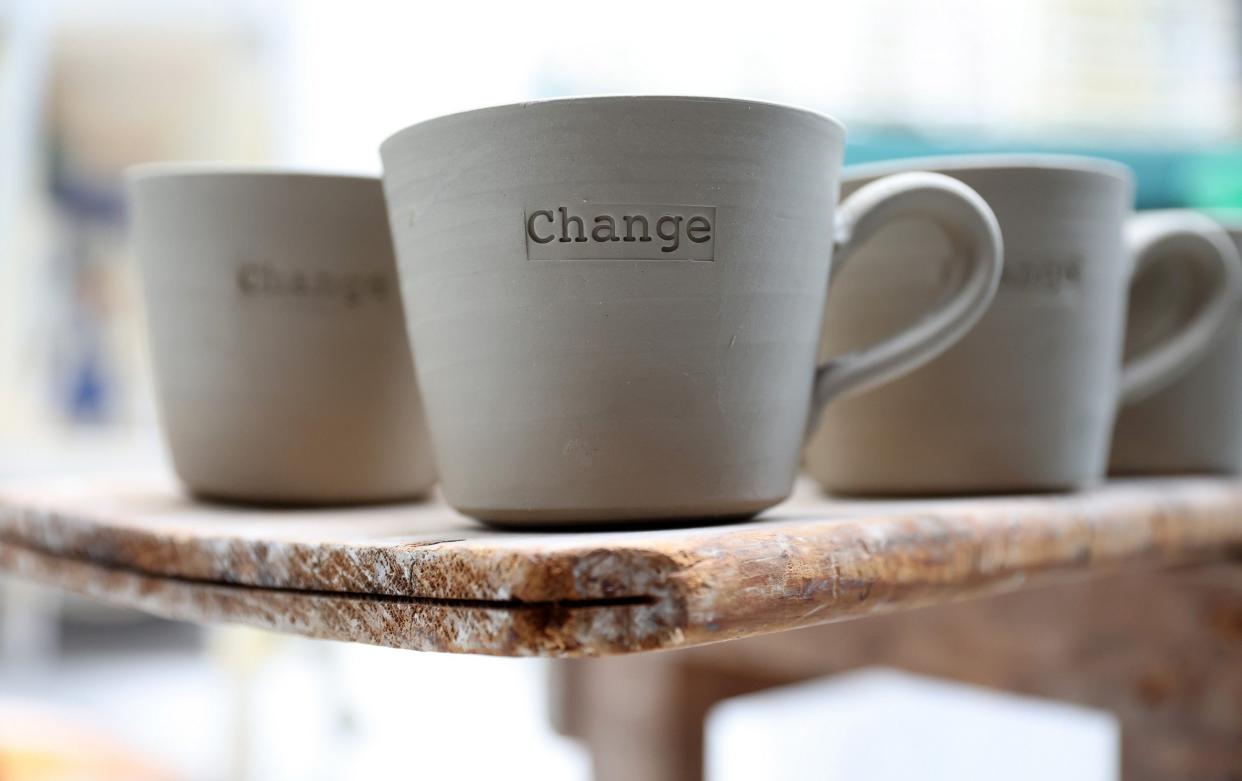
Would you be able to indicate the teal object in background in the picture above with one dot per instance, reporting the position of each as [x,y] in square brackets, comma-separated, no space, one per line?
[1167,178]
[1214,180]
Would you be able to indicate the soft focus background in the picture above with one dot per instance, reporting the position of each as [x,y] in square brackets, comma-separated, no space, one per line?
[89,87]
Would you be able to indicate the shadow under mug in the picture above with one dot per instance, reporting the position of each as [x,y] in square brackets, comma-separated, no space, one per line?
[1195,423]
[615,303]
[1026,400]
[282,370]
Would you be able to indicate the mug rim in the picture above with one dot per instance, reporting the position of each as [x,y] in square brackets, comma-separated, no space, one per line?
[1002,161]
[193,169]
[837,125]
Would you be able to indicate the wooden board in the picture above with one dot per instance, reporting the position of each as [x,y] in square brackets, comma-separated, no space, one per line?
[420,576]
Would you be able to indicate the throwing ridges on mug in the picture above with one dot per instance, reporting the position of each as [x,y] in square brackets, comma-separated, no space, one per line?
[614,303]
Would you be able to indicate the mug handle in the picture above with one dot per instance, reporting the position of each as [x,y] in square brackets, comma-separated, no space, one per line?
[1197,242]
[969,225]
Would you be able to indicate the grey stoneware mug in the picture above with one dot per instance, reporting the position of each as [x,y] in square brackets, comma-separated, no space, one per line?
[282,370]
[614,302]
[1195,423]
[1026,401]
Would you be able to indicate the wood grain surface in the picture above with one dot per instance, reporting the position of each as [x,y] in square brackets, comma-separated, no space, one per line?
[420,576]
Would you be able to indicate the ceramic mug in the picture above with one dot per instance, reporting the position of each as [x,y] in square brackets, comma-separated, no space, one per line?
[1195,423]
[1026,401]
[282,369]
[614,302]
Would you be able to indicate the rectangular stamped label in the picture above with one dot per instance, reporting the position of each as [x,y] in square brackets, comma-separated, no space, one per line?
[1043,277]
[262,280]
[609,231]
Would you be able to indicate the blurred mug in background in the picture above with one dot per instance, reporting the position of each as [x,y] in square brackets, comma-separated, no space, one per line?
[281,364]
[1026,401]
[1195,423]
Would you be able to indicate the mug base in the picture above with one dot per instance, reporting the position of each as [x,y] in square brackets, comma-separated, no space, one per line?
[587,519]
[1184,469]
[953,491]
[293,501]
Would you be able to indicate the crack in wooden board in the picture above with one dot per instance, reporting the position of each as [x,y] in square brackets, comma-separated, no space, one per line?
[408,599]
[478,627]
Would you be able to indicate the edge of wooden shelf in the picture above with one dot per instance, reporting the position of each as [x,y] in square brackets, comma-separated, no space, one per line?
[447,585]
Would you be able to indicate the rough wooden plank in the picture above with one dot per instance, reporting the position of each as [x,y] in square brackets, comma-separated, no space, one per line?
[419,576]
[453,626]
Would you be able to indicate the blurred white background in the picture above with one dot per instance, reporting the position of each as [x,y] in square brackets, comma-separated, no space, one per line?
[87,88]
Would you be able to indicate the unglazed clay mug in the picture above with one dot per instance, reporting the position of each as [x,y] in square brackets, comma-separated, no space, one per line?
[1027,399]
[614,303]
[1195,423]
[282,369]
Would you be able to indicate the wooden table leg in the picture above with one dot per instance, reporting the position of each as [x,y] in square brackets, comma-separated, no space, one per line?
[642,716]
[1160,650]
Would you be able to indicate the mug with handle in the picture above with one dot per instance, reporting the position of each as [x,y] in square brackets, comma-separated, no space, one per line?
[1194,423]
[1026,401]
[614,303]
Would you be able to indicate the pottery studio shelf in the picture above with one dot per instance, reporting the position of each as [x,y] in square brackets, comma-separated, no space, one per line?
[420,576]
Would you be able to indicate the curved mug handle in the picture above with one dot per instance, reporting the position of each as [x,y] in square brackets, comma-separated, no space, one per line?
[969,225]
[1205,249]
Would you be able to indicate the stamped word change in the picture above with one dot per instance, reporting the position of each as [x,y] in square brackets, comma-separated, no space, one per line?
[602,231]
[1044,276]
[262,279]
